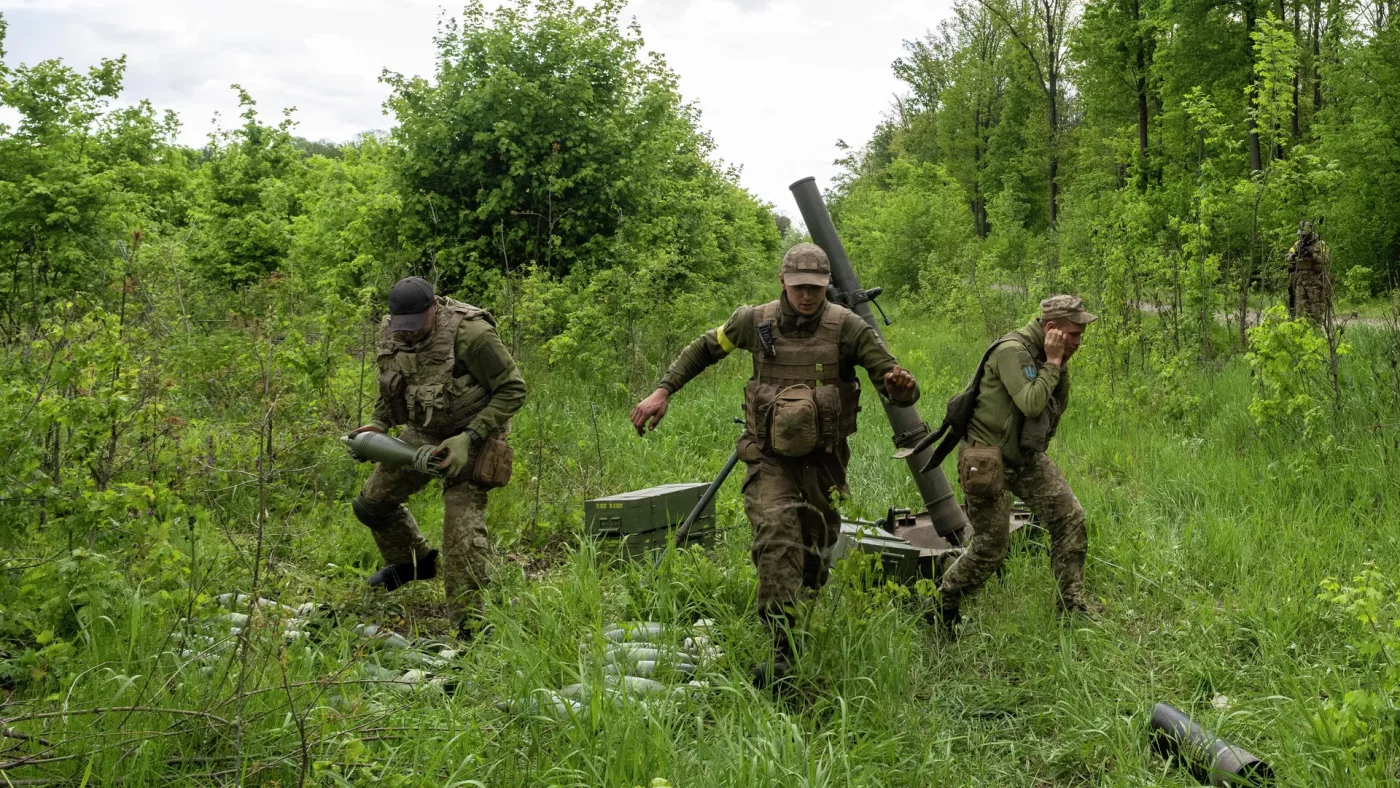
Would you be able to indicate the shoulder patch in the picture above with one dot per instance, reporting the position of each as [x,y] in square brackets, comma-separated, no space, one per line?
[1029,371]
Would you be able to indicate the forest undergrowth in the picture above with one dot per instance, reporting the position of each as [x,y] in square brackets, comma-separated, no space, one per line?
[185,332]
[1212,544]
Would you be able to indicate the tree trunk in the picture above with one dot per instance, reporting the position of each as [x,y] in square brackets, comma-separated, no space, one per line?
[1255,160]
[1141,85]
[1052,63]
[979,205]
[1317,55]
[1054,144]
[1297,36]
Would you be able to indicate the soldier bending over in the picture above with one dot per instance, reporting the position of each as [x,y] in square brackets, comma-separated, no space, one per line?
[445,376]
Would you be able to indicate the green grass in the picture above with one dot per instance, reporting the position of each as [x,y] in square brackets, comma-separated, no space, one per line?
[1208,543]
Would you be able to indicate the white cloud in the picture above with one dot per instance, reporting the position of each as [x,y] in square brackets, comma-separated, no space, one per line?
[777,81]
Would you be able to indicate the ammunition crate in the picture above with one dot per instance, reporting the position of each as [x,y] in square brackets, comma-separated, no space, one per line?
[631,524]
[642,511]
[634,546]
[899,559]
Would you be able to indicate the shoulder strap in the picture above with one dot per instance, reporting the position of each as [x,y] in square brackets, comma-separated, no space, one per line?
[835,314]
[762,312]
[945,430]
[468,311]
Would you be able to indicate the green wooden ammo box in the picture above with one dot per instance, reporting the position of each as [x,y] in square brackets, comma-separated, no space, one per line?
[631,524]
[642,511]
[634,546]
[899,559]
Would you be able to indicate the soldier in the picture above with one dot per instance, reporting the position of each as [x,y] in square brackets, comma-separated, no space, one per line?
[1023,392]
[800,408]
[445,376]
[1309,276]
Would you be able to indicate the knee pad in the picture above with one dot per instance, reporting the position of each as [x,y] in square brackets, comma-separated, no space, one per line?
[374,514]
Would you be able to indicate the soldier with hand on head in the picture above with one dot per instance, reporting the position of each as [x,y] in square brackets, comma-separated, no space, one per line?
[447,378]
[800,408]
[1023,392]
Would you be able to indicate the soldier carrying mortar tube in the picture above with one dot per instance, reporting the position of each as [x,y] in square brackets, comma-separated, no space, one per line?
[800,409]
[447,378]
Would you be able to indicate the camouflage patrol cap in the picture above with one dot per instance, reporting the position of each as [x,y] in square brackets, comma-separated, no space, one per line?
[806,264]
[1065,307]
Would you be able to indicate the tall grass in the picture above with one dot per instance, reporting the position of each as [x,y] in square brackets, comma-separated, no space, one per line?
[1208,543]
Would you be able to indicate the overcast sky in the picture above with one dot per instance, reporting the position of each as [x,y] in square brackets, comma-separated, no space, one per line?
[778,81]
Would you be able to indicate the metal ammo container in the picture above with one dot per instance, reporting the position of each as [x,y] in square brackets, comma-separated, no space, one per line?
[629,525]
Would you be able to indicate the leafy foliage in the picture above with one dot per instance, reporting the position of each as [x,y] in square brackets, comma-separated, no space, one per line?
[185,332]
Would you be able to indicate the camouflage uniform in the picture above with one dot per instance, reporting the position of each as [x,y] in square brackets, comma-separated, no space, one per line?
[1019,404]
[789,499]
[1309,276]
[459,378]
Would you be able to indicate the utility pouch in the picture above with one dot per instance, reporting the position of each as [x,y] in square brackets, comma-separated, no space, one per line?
[391,391]
[980,471]
[794,424]
[494,462]
[425,400]
[828,401]
[758,402]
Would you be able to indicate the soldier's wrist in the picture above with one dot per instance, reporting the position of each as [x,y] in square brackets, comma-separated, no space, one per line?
[474,439]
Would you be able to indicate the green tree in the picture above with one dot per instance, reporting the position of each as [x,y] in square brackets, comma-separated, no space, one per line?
[248,198]
[76,179]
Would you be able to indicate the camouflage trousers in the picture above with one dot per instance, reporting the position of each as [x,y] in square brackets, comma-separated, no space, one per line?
[1040,484]
[465,547]
[789,502]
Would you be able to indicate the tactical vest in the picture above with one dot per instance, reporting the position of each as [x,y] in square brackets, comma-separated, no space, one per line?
[814,363]
[1035,432]
[417,381]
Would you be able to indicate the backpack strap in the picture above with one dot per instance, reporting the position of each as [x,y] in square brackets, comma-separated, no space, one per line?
[945,430]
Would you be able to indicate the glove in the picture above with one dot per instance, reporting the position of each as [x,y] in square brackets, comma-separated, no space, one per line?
[455,453]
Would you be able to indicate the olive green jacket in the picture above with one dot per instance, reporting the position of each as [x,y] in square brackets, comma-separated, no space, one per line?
[860,346]
[1016,385]
[480,353]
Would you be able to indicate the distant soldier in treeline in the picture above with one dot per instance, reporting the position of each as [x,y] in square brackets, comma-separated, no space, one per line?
[1309,276]
[1022,390]
[447,378]
[800,408]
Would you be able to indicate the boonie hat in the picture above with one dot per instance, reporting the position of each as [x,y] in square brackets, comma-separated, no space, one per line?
[806,264]
[409,303]
[1066,307]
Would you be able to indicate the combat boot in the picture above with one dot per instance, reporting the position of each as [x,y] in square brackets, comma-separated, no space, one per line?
[472,631]
[773,675]
[946,620]
[1078,607]
[395,575]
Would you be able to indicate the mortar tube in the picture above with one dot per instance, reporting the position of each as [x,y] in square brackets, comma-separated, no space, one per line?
[1209,756]
[949,520]
[684,530]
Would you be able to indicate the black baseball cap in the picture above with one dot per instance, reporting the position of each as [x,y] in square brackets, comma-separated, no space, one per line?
[409,303]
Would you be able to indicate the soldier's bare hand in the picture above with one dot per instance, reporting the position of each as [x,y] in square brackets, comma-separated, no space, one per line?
[649,412]
[900,384]
[366,428]
[1055,341]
